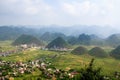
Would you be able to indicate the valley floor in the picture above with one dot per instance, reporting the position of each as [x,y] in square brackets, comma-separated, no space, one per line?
[62,60]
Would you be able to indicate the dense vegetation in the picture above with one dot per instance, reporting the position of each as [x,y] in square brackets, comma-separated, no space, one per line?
[13,32]
[116,52]
[57,43]
[90,73]
[27,39]
[80,50]
[84,39]
[113,40]
[98,52]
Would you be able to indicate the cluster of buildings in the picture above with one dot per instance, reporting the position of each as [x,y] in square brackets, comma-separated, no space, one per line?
[20,48]
[16,69]
[6,53]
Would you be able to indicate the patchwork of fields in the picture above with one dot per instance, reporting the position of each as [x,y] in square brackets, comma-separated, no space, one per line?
[63,60]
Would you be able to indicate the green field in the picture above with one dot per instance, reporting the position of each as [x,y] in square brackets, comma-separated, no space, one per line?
[65,60]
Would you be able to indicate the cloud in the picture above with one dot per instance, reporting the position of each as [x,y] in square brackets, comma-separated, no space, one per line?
[60,12]
[86,8]
[24,7]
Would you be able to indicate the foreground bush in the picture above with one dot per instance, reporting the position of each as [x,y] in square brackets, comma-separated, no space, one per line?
[90,73]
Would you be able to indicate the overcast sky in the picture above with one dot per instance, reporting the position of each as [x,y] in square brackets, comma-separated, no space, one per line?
[60,12]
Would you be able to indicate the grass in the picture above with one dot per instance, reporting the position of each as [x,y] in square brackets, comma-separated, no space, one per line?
[27,55]
[64,60]
[6,45]
[108,65]
[68,60]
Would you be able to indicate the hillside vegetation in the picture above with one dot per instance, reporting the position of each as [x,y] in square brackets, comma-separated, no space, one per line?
[80,50]
[47,35]
[58,43]
[27,39]
[116,52]
[98,52]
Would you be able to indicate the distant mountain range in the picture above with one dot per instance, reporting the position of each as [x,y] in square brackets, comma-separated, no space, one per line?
[85,35]
[101,31]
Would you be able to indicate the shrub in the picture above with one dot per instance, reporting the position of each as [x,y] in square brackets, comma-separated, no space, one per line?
[90,73]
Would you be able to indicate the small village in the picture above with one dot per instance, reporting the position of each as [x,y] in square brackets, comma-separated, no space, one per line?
[10,70]
[24,47]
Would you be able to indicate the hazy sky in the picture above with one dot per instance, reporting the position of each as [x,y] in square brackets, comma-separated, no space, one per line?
[60,12]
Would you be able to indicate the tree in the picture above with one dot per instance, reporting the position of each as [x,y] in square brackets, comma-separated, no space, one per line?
[90,73]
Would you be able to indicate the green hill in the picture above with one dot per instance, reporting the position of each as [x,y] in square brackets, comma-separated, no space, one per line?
[98,52]
[84,39]
[12,32]
[48,36]
[79,50]
[116,52]
[57,43]
[27,39]
[113,40]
